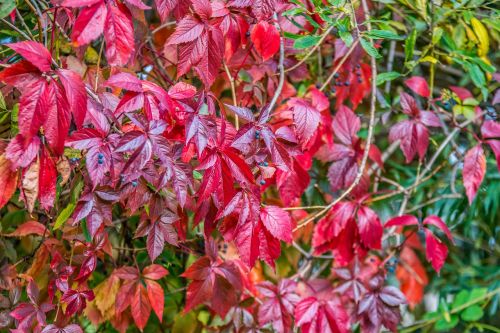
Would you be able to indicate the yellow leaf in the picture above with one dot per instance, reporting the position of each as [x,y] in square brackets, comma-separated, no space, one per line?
[430,59]
[482,36]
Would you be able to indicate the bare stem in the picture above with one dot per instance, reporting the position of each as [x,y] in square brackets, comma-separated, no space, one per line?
[281,67]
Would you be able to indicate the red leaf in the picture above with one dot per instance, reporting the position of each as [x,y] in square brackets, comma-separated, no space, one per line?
[305,118]
[125,81]
[435,251]
[47,180]
[474,171]
[277,222]
[76,300]
[278,305]
[165,7]
[370,228]
[72,328]
[20,75]
[202,8]
[8,180]
[181,90]
[380,306]
[57,112]
[346,125]
[154,272]
[35,53]
[402,220]
[419,86]
[215,283]
[314,315]
[437,222]
[35,101]
[187,30]
[21,152]
[490,130]
[76,95]
[119,34]
[266,39]
[156,298]
[140,307]
[89,24]
[29,228]
[209,64]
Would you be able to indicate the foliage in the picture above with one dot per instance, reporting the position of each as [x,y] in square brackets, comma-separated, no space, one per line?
[235,165]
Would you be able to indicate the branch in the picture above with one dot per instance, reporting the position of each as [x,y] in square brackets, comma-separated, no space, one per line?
[233,94]
[281,67]
[315,47]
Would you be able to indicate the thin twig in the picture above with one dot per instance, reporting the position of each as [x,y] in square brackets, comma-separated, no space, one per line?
[233,94]
[315,47]
[281,67]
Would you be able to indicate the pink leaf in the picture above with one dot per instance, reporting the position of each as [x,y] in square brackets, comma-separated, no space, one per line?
[401,221]
[474,171]
[435,251]
[419,86]
[35,53]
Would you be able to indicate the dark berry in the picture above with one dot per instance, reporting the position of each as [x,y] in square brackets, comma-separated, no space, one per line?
[99,161]
[346,83]
[134,183]
[336,75]
[262,182]
[358,66]
[261,163]
[266,164]
[100,156]
[247,34]
[360,80]
[318,85]
[334,90]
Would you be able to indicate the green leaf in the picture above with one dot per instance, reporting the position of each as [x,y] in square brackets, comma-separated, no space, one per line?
[64,215]
[461,298]
[346,37]
[305,42]
[472,313]
[477,75]
[369,48]
[85,231]
[410,45]
[388,76]
[436,35]
[383,34]
[6,7]
[477,292]
[443,325]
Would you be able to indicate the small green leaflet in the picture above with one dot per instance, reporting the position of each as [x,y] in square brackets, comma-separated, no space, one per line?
[383,34]
[369,48]
[388,76]
[306,42]
[64,215]
[410,45]
[6,7]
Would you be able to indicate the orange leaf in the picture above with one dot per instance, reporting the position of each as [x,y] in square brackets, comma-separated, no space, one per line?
[411,274]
